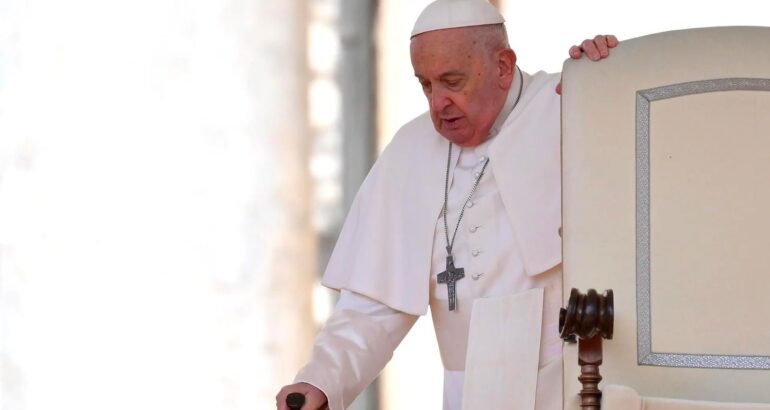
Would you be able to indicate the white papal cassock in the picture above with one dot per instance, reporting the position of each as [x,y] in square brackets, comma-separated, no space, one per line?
[392,247]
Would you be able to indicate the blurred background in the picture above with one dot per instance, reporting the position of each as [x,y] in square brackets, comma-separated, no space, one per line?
[173,174]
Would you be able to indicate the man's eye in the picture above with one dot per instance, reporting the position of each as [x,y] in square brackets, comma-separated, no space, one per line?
[425,85]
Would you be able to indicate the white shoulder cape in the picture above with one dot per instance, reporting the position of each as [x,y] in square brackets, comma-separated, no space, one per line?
[384,248]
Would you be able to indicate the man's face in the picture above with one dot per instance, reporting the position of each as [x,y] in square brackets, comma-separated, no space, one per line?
[461,80]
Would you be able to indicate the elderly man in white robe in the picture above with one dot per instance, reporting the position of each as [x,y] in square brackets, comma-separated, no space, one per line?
[463,204]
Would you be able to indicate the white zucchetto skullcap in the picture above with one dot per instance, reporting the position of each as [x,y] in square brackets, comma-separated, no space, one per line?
[442,14]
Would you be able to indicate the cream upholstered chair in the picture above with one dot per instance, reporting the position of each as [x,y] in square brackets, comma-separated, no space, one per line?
[666,200]
[626,398]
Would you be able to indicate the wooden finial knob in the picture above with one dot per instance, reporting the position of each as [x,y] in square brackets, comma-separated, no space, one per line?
[587,315]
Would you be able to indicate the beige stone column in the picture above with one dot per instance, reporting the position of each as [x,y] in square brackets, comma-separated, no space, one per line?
[414,377]
[283,236]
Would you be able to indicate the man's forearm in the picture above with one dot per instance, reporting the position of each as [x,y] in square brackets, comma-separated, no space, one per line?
[353,347]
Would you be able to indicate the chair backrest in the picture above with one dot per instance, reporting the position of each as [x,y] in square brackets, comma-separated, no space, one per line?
[666,200]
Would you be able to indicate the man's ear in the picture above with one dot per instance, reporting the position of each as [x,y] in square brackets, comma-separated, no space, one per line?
[506,67]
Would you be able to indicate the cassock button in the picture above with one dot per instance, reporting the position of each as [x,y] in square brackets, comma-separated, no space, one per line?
[476,175]
[475,252]
[470,204]
[482,158]
[477,276]
[473,229]
[560,231]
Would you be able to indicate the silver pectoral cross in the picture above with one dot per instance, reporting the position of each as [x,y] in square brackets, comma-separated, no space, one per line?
[450,276]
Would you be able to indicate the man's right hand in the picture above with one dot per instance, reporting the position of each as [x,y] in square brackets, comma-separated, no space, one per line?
[315,399]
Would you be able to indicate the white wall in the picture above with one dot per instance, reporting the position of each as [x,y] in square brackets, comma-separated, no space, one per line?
[542,32]
[154,212]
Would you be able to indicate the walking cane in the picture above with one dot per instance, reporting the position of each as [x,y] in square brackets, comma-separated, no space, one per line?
[295,401]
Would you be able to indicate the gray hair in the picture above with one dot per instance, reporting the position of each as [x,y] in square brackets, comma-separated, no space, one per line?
[493,37]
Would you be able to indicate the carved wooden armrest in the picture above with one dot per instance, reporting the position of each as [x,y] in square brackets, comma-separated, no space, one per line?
[590,318]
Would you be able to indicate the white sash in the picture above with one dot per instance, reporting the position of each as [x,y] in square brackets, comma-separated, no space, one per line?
[501,367]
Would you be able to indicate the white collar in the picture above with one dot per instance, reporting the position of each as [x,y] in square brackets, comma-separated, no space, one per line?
[514,93]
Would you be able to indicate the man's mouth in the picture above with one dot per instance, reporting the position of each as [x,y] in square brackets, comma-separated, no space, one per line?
[451,122]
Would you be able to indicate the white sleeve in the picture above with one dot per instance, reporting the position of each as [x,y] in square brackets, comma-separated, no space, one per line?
[353,347]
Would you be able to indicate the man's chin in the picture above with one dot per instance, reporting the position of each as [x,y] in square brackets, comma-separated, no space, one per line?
[460,139]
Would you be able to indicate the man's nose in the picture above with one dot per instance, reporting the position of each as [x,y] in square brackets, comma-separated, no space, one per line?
[439,100]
